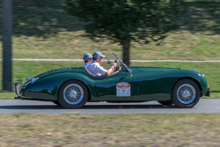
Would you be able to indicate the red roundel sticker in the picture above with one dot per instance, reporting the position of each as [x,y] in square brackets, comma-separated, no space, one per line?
[123,85]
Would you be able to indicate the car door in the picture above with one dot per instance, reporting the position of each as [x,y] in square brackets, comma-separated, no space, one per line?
[115,87]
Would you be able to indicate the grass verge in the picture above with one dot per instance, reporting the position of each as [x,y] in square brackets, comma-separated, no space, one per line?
[110,130]
[42,29]
[24,69]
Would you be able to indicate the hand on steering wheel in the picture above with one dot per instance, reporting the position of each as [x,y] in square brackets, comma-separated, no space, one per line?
[114,65]
[118,68]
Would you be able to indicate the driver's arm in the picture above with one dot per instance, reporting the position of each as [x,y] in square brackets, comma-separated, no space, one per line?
[109,71]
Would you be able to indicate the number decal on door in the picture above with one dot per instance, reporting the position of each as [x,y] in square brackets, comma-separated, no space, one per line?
[123,89]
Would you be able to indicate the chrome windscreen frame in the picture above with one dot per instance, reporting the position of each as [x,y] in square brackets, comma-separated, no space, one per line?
[129,70]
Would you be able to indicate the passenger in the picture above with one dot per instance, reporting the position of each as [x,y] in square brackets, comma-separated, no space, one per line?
[88,59]
[95,67]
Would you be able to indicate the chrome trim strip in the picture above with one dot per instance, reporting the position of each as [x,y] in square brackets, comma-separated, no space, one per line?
[192,69]
[18,88]
[15,88]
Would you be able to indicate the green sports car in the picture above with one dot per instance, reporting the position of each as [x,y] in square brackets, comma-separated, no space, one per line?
[73,87]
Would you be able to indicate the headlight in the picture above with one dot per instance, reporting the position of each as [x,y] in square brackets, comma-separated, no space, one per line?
[31,80]
[201,74]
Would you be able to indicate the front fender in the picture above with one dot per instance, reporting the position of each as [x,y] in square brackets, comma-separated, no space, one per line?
[47,88]
[197,77]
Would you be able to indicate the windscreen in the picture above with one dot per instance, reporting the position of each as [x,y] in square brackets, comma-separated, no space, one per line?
[112,58]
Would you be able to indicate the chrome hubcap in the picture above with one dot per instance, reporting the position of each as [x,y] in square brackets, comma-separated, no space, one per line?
[73,94]
[186,93]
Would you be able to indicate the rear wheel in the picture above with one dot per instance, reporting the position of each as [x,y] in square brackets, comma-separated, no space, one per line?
[73,94]
[186,93]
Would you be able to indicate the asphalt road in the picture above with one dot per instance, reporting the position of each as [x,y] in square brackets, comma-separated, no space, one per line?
[41,107]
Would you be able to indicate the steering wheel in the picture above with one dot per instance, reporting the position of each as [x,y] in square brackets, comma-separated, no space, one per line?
[117,68]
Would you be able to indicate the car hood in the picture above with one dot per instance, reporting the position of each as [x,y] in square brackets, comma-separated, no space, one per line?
[155,69]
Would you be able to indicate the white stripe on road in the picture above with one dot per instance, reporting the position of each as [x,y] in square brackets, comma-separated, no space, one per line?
[23,59]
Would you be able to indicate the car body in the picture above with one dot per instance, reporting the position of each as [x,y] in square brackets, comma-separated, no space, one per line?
[68,87]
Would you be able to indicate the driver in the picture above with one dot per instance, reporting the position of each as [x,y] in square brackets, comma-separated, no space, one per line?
[95,67]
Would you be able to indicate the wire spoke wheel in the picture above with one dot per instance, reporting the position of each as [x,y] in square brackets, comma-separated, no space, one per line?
[73,94]
[186,93]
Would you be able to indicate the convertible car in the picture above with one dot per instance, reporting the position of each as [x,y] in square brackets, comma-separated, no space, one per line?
[73,87]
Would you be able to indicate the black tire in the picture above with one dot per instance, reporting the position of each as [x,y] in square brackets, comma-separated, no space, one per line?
[185,93]
[73,94]
[57,103]
[170,102]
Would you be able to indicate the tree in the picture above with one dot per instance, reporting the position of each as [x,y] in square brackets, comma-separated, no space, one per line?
[126,20]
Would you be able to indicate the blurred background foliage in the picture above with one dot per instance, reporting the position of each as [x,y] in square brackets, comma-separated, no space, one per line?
[43,26]
[42,17]
[124,21]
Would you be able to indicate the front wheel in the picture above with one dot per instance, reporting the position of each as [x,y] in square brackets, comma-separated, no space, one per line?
[73,94]
[186,93]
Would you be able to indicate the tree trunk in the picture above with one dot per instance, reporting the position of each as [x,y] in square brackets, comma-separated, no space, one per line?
[6,40]
[126,51]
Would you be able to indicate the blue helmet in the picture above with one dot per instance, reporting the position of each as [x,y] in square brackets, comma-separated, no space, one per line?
[87,57]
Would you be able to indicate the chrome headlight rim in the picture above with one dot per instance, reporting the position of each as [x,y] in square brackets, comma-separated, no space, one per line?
[31,80]
[201,74]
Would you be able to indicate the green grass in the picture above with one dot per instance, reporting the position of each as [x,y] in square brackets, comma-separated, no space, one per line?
[42,29]
[110,130]
[24,69]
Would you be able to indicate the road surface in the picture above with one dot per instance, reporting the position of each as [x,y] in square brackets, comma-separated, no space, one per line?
[42,107]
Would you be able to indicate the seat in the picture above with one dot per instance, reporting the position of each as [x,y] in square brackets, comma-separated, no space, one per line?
[102,75]
[92,74]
